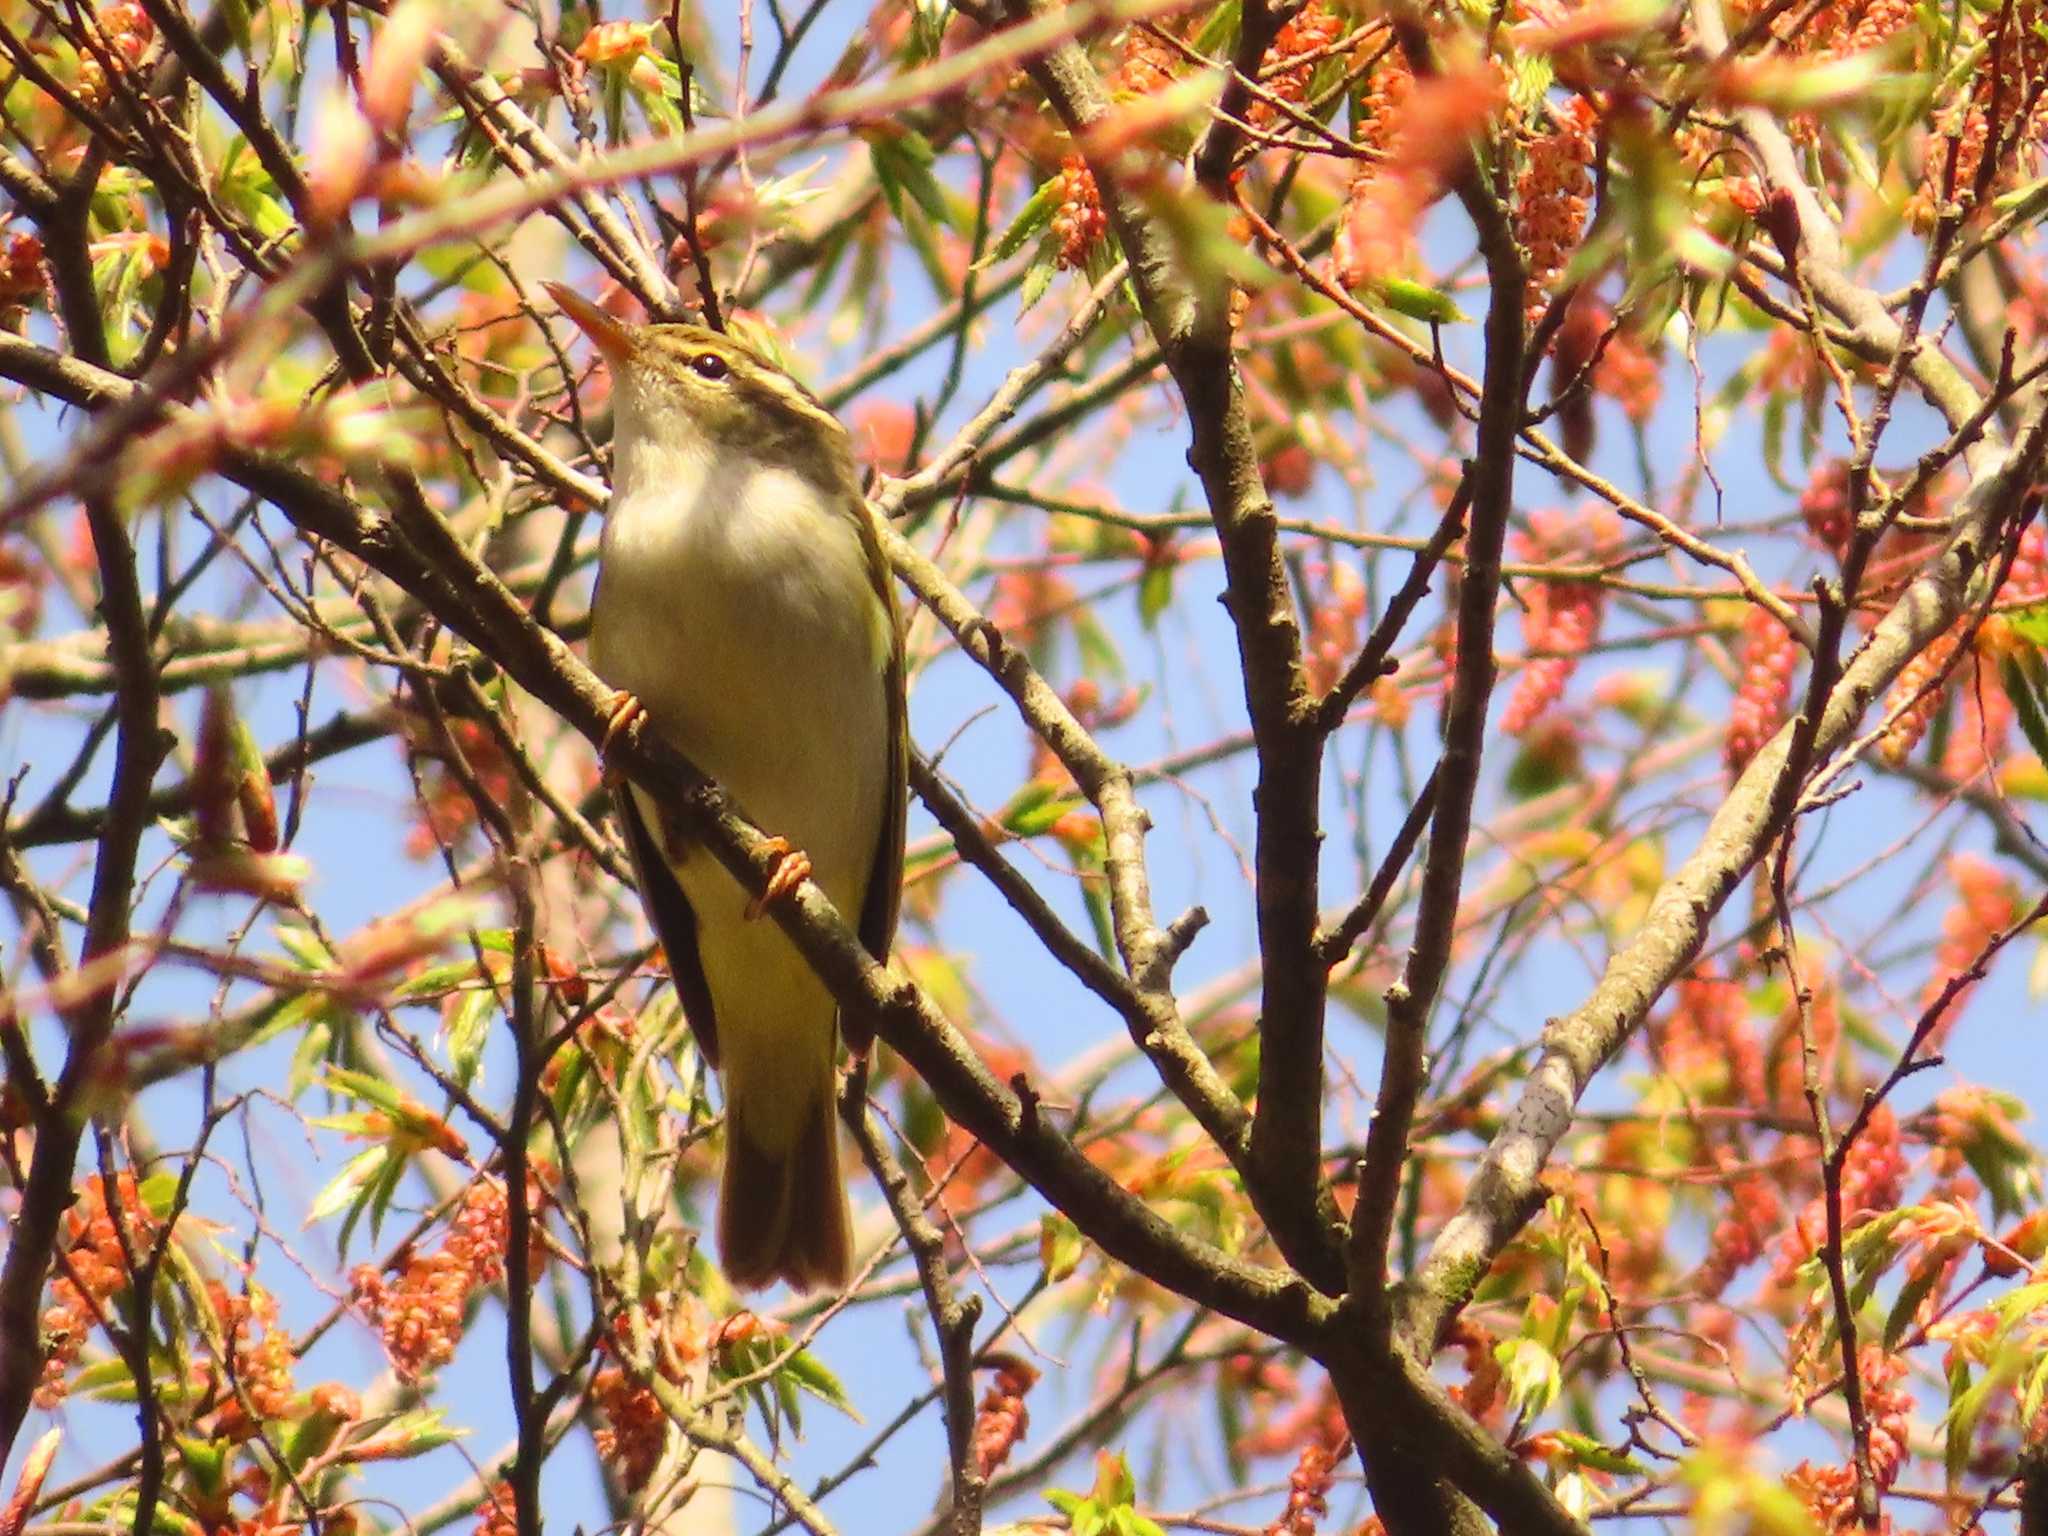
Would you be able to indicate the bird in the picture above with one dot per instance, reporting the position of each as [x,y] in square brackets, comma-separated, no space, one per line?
[745,609]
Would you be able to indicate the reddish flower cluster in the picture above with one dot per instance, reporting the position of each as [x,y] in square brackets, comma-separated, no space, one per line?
[1823,1029]
[1739,1236]
[1431,122]
[421,1314]
[1916,695]
[635,1428]
[1374,238]
[1289,470]
[1148,65]
[1479,1392]
[1983,722]
[1628,374]
[1623,369]
[2026,580]
[496,1515]
[1291,62]
[261,1363]
[1873,1176]
[1026,600]
[1390,702]
[1572,349]
[1002,1419]
[1824,504]
[1095,713]
[1333,625]
[1987,903]
[23,275]
[447,809]
[127,32]
[1880,22]
[1770,656]
[1302,1417]
[2008,94]
[1829,1493]
[1710,1045]
[1308,1491]
[1079,223]
[22,579]
[1552,197]
[91,1270]
[882,432]
[2028,576]
[1561,618]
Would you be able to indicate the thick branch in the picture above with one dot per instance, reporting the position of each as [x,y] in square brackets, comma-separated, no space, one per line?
[61,1120]
[1411,1001]
[1188,313]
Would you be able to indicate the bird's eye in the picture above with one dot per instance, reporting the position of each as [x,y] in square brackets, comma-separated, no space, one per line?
[709,365]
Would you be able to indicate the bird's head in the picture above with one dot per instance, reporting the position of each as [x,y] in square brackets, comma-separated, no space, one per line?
[680,384]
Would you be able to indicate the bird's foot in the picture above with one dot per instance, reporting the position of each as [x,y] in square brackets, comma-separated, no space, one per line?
[624,711]
[792,869]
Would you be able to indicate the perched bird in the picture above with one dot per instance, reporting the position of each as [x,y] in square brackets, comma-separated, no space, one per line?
[744,606]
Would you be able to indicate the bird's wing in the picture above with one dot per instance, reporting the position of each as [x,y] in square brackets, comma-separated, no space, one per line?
[675,923]
[885,875]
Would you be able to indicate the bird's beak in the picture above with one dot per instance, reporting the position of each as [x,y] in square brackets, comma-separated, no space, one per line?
[613,338]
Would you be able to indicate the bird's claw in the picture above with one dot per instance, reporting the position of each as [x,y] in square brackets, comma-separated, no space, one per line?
[624,711]
[792,869]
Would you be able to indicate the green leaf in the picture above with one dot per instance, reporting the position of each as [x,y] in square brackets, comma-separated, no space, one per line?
[1099,654]
[345,1189]
[206,1463]
[2030,623]
[310,1437]
[241,25]
[791,1401]
[361,1085]
[1219,29]
[811,1373]
[1907,1303]
[1060,1246]
[1114,1486]
[1037,278]
[106,1381]
[156,1193]
[1590,1453]
[382,1192]
[1155,593]
[1035,807]
[2026,704]
[437,980]
[2031,1393]
[304,946]
[466,1029]
[1966,1407]
[408,1435]
[1419,301]
[1532,1373]
[309,1056]
[902,160]
[1032,220]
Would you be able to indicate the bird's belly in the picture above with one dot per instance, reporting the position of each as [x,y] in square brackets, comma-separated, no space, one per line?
[765,674]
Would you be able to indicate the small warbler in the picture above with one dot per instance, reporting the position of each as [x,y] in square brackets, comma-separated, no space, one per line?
[744,606]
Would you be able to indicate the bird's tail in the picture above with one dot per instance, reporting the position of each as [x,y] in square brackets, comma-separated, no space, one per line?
[782,1210]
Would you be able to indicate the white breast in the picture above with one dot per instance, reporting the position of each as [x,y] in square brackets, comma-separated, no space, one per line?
[736,604]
